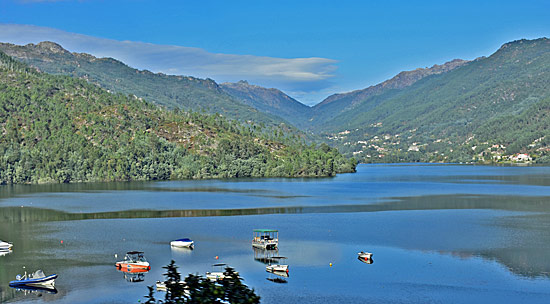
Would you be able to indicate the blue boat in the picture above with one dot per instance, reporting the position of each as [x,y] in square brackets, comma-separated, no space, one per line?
[37,279]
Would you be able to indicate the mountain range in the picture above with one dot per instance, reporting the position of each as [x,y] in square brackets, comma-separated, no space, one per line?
[171,91]
[457,111]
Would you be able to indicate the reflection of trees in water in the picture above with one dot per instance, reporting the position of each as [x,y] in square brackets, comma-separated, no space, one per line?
[525,262]
[436,202]
[7,191]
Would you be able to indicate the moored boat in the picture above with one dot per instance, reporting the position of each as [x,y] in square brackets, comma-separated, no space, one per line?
[218,273]
[277,268]
[364,256]
[185,242]
[36,279]
[133,261]
[265,239]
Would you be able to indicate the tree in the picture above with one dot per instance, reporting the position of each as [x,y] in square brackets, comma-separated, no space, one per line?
[198,290]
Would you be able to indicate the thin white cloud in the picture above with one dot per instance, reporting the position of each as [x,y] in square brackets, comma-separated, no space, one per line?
[290,74]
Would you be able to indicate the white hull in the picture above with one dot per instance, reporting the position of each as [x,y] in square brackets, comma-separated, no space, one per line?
[50,284]
[5,246]
[265,245]
[277,268]
[215,276]
[364,255]
[181,244]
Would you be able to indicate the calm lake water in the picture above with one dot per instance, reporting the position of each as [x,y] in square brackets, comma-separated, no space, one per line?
[439,234]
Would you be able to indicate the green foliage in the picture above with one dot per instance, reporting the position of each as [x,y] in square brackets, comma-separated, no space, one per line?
[58,129]
[500,100]
[189,93]
[195,289]
[270,101]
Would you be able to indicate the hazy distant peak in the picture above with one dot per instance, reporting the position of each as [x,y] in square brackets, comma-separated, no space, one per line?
[399,81]
[407,78]
[244,84]
[51,46]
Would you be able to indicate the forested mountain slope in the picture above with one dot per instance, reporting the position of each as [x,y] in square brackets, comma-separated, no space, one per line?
[62,129]
[336,104]
[185,92]
[270,101]
[498,103]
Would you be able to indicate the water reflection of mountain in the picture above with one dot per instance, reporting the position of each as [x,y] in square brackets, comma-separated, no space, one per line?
[7,191]
[436,202]
[523,262]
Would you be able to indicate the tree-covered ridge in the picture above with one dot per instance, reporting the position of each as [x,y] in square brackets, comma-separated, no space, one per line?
[185,92]
[270,101]
[62,129]
[487,110]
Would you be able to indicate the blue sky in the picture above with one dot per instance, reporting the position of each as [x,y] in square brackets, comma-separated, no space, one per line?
[309,49]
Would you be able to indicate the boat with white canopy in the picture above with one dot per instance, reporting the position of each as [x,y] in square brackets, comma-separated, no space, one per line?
[265,239]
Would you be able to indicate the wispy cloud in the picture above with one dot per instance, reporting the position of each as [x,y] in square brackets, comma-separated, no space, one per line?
[289,74]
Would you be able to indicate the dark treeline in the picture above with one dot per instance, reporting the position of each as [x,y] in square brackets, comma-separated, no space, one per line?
[61,129]
[195,289]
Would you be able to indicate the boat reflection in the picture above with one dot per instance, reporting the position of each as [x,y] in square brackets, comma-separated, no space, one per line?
[278,277]
[35,289]
[182,250]
[133,275]
[265,256]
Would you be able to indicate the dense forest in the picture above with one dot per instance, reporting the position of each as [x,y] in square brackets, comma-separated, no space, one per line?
[170,91]
[62,129]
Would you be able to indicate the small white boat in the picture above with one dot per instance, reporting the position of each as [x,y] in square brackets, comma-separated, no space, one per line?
[277,267]
[363,255]
[218,273]
[161,286]
[5,245]
[36,279]
[182,243]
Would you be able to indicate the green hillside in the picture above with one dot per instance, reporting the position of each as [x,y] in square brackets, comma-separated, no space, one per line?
[485,110]
[337,104]
[63,129]
[188,93]
[271,101]
[459,115]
